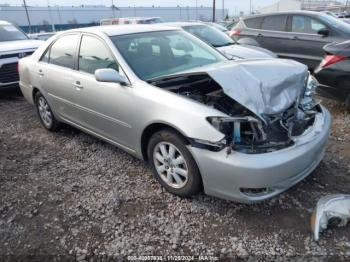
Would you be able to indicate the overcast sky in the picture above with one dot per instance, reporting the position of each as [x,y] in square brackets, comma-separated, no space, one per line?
[233,5]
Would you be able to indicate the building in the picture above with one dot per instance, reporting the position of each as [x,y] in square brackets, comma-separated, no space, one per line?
[292,5]
[320,5]
[63,17]
[283,5]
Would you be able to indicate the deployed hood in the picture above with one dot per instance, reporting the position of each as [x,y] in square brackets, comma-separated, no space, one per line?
[263,86]
[244,52]
[20,45]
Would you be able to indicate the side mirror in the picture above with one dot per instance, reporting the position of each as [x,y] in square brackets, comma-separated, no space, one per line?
[323,32]
[110,75]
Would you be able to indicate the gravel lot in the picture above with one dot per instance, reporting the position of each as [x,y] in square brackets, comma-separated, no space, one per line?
[68,194]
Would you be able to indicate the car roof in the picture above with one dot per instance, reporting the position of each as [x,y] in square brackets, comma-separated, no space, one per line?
[2,22]
[182,24]
[310,13]
[113,30]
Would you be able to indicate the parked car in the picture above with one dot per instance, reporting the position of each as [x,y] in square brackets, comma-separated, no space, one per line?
[42,36]
[228,24]
[131,20]
[14,44]
[298,35]
[333,73]
[167,97]
[343,15]
[222,42]
[344,19]
[219,27]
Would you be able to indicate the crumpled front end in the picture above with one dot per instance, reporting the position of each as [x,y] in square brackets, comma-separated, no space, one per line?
[275,133]
[267,102]
[250,178]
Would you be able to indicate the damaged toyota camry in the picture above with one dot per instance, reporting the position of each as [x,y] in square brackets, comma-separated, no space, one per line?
[241,130]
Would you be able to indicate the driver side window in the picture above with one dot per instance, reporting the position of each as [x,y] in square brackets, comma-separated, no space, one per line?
[95,55]
[306,25]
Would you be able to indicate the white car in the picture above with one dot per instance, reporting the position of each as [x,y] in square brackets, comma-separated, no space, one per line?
[14,45]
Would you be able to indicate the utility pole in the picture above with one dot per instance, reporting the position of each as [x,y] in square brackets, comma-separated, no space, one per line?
[113,9]
[223,9]
[25,7]
[51,18]
[214,2]
[250,7]
[196,10]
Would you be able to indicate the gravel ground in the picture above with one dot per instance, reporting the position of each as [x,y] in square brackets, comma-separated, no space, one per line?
[68,194]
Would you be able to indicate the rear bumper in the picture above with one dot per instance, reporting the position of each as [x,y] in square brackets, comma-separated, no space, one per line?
[225,175]
[331,85]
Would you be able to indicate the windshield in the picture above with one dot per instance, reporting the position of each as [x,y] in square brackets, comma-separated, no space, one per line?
[11,33]
[210,35]
[156,54]
[336,22]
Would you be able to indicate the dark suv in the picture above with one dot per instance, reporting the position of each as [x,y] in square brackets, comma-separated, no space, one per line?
[298,35]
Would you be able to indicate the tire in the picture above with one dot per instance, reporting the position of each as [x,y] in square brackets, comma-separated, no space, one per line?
[45,113]
[169,167]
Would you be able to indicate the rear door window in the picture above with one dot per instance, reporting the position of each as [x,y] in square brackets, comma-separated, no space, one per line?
[63,51]
[274,23]
[254,23]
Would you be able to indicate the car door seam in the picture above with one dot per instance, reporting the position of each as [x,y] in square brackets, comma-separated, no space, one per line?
[93,112]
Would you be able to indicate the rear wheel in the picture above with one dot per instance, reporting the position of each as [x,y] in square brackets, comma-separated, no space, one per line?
[45,114]
[172,163]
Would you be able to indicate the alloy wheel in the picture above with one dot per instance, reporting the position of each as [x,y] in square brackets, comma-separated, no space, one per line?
[45,112]
[170,164]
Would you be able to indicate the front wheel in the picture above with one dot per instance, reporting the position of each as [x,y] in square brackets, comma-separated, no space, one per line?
[172,164]
[45,114]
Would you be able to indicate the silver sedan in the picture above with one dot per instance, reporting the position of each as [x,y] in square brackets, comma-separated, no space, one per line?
[242,130]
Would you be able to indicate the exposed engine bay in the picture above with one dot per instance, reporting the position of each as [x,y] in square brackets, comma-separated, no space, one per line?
[245,131]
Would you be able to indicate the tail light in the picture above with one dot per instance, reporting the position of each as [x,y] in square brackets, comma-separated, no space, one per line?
[235,31]
[332,59]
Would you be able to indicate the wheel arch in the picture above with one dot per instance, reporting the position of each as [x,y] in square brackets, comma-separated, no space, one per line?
[152,129]
[34,92]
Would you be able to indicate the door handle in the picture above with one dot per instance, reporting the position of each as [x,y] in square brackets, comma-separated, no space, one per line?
[295,38]
[78,85]
[259,35]
[40,73]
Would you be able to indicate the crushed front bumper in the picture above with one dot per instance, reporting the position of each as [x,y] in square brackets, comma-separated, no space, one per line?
[251,178]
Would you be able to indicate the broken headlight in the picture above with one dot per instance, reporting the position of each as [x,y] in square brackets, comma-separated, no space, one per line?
[311,86]
[245,129]
[307,102]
